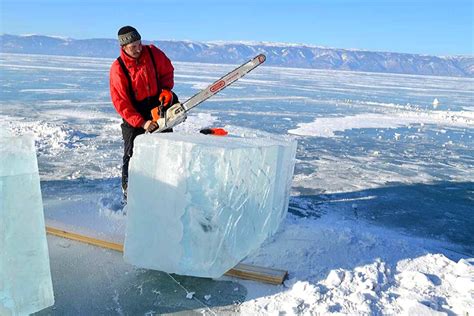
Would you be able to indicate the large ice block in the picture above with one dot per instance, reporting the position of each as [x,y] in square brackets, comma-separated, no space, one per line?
[25,277]
[198,204]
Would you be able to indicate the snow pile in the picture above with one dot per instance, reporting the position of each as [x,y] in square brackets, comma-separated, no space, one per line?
[374,288]
[434,282]
[63,149]
[360,269]
[50,139]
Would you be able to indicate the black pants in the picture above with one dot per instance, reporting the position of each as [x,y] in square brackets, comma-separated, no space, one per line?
[129,133]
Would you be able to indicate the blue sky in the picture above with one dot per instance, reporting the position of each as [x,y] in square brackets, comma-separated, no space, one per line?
[419,26]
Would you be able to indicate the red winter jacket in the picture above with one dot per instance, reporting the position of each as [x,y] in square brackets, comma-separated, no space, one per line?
[143,81]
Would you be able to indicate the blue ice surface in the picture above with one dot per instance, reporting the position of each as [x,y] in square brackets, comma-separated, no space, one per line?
[25,277]
[430,193]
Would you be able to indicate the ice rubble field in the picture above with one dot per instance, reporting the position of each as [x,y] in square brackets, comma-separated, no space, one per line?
[380,216]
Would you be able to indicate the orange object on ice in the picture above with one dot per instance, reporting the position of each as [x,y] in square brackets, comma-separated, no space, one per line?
[214,131]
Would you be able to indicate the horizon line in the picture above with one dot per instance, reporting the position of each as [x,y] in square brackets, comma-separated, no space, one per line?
[249,43]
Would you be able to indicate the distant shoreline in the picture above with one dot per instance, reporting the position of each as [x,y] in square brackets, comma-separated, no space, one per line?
[278,54]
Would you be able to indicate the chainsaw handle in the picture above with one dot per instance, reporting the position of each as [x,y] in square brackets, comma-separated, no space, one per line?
[157,112]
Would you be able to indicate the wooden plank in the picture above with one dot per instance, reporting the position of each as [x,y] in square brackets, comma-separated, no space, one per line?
[241,270]
[84,239]
[256,273]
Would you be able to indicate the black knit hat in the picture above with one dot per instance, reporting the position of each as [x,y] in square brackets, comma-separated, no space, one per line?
[128,34]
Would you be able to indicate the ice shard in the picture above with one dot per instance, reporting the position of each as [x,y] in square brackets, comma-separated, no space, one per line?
[25,277]
[198,204]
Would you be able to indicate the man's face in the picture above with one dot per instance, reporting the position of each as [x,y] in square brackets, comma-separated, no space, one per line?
[133,49]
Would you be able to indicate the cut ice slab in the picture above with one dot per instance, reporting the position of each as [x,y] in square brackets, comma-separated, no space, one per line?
[199,204]
[25,277]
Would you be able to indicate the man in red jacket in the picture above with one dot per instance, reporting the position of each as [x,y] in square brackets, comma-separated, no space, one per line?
[140,80]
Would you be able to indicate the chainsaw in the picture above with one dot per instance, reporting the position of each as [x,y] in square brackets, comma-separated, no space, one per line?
[177,113]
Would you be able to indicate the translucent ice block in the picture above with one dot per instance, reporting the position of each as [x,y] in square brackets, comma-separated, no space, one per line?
[25,277]
[198,204]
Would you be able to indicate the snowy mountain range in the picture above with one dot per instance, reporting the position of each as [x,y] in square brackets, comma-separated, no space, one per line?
[278,54]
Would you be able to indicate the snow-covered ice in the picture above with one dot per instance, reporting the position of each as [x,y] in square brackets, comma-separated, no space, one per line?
[339,266]
[25,278]
[197,204]
[328,127]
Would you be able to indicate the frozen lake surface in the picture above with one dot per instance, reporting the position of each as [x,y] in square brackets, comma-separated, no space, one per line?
[373,146]
[376,151]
